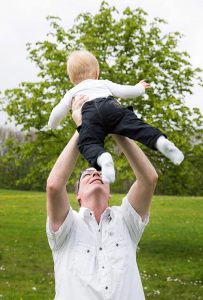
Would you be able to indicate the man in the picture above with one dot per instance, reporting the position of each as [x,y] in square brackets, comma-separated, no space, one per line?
[94,250]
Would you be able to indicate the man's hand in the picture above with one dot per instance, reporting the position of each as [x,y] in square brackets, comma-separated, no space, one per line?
[76,109]
[145,84]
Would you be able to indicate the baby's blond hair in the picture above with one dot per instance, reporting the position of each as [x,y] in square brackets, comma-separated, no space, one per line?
[82,65]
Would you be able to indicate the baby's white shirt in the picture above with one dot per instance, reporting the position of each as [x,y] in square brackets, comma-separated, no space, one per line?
[92,89]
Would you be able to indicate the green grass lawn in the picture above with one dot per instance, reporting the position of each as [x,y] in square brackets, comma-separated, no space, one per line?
[170,255]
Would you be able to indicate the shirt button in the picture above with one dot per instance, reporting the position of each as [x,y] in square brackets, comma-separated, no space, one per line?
[100,248]
[117,245]
[102,267]
[90,214]
[99,230]
[106,287]
[88,251]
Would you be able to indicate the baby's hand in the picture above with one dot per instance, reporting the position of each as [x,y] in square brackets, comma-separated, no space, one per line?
[145,84]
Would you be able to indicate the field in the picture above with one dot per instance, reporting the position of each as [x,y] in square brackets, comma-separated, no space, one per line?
[170,256]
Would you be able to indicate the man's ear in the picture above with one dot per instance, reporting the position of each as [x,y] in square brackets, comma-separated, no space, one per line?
[78,198]
[97,74]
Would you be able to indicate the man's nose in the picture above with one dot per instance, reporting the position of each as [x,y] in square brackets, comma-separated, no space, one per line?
[96,173]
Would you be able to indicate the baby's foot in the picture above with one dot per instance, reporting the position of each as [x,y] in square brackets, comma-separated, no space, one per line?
[168,149]
[174,154]
[105,161]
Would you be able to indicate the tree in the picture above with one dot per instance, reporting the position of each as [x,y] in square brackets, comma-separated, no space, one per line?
[129,48]
[10,172]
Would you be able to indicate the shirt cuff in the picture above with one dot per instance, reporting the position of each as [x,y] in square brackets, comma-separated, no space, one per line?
[133,221]
[126,204]
[141,89]
[56,238]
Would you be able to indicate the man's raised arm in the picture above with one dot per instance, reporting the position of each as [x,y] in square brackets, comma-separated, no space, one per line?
[57,198]
[141,192]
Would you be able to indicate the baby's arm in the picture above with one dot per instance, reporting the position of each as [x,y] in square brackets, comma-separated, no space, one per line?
[127,91]
[59,112]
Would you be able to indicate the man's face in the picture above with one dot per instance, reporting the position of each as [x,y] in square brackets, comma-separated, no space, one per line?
[91,183]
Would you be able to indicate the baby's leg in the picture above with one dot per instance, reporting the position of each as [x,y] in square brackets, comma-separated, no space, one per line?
[98,158]
[134,128]
[92,148]
[168,149]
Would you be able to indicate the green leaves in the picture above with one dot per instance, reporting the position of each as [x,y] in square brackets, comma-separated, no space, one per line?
[129,48]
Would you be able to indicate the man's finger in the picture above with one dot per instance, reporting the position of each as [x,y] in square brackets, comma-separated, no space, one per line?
[81,98]
[78,101]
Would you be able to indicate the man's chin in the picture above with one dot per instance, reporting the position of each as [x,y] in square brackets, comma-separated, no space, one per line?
[97,186]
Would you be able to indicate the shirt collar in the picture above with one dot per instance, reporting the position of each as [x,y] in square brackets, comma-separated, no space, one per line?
[107,213]
[86,213]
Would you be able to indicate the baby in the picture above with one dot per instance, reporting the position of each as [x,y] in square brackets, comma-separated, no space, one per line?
[103,114]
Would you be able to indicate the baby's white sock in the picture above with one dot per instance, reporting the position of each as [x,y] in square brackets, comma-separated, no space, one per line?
[168,149]
[105,161]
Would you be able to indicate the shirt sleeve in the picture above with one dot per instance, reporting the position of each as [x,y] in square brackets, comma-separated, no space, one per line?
[60,111]
[125,91]
[56,239]
[133,221]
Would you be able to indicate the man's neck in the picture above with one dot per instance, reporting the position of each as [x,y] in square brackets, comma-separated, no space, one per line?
[98,211]
[97,206]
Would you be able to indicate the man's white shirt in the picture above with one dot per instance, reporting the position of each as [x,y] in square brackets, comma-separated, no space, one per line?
[98,261]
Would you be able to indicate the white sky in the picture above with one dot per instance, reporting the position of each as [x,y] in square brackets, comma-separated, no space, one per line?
[23,21]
